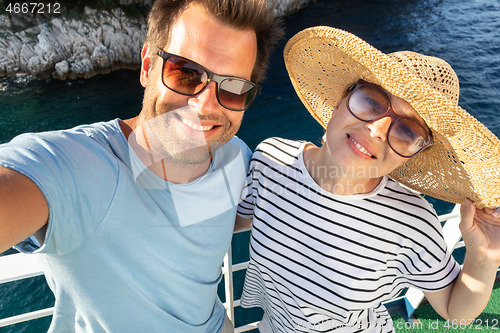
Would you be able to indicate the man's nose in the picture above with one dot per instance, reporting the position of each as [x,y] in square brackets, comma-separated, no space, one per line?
[206,101]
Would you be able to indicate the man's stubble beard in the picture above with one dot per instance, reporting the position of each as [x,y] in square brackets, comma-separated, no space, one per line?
[165,143]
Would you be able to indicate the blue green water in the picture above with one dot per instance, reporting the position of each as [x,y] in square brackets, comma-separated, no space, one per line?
[464,33]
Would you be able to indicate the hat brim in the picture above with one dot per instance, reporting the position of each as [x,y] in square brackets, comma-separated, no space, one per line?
[464,162]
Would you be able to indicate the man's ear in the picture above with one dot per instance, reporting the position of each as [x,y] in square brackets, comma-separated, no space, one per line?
[146,55]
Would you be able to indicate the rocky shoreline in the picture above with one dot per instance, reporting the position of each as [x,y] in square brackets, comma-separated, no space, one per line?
[93,43]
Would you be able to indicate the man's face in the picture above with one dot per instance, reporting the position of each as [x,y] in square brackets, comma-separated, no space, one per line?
[188,129]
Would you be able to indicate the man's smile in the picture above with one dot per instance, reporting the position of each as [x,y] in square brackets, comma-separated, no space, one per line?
[197,124]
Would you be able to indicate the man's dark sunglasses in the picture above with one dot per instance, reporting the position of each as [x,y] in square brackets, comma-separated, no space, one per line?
[186,77]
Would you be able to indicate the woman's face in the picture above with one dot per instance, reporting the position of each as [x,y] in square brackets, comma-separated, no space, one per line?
[360,148]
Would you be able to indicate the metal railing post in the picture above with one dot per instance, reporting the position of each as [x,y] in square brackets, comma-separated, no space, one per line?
[227,270]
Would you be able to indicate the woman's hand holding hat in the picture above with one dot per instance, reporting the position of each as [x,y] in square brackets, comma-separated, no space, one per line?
[481,232]
[471,290]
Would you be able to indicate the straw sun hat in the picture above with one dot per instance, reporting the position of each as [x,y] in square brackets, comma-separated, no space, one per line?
[464,162]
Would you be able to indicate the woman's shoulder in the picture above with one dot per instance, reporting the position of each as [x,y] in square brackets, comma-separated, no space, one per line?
[401,195]
[277,144]
[278,149]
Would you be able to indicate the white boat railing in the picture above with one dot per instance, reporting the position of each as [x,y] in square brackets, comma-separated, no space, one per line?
[15,267]
[19,266]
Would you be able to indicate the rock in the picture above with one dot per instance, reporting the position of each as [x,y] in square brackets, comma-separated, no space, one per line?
[286,7]
[98,42]
[5,22]
[133,2]
[37,66]
[26,53]
[100,58]
[81,68]
[61,70]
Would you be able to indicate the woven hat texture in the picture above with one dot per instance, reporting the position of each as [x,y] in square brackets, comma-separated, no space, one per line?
[464,162]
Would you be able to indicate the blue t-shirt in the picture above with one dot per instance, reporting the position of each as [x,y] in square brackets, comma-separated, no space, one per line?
[126,251]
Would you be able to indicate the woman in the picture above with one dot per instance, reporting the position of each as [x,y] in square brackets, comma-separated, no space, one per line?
[335,233]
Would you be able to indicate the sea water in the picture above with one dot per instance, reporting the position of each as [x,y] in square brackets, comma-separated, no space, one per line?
[464,33]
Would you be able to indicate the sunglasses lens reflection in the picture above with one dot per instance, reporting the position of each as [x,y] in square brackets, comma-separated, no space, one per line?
[184,77]
[236,94]
[368,103]
[406,136]
[188,78]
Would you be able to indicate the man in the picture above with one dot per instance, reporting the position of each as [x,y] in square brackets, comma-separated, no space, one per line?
[131,219]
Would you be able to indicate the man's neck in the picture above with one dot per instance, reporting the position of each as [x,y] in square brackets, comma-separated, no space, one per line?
[179,173]
[167,169]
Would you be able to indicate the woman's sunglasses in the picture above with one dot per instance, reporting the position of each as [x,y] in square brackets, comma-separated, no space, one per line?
[405,136]
[186,77]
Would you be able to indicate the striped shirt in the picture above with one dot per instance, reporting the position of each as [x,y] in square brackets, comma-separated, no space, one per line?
[322,262]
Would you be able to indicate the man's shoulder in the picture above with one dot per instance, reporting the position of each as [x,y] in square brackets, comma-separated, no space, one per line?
[100,131]
[234,149]
[241,144]
[75,150]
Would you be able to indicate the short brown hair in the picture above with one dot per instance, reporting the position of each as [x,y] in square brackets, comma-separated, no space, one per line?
[253,15]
